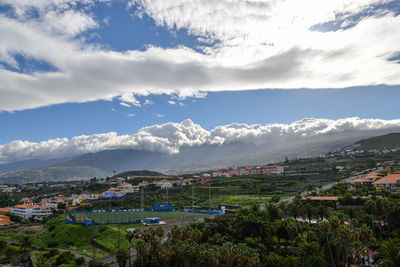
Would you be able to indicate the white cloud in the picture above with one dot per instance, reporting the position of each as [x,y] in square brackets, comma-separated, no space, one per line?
[258,44]
[113,109]
[129,115]
[171,102]
[159,115]
[130,98]
[172,137]
[125,104]
[148,102]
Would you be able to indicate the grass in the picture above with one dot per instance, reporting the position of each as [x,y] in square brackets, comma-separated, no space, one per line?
[118,217]
[18,233]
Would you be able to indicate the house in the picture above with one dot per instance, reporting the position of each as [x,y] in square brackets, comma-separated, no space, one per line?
[5,210]
[143,184]
[117,180]
[389,183]
[4,220]
[164,184]
[128,188]
[26,200]
[272,169]
[204,180]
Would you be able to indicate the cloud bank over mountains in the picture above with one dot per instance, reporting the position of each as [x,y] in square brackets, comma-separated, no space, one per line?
[173,137]
[241,45]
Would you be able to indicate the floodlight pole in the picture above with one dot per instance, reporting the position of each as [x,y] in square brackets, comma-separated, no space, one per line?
[193,202]
[209,194]
[142,202]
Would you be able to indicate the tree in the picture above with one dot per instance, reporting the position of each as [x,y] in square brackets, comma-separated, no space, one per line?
[26,243]
[129,236]
[389,253]
[122,257]
[365,235]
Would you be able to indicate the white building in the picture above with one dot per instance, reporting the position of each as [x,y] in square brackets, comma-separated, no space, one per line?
[128,188]
[164,184]
[27,211]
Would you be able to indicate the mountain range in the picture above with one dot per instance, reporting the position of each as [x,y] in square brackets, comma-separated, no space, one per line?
[193,158]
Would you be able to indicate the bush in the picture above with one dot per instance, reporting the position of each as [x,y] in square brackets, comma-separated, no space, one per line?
[79,261]
[52,244]
[51,253]
[63,258]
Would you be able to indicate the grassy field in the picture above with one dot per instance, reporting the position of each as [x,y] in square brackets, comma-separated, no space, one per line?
[126,217]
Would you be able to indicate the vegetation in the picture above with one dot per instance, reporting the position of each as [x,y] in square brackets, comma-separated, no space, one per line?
[388,141]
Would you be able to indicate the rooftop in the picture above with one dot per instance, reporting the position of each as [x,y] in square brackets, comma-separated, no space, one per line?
[388,179]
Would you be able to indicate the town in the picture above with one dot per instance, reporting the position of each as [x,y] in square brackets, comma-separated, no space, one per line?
[310,190]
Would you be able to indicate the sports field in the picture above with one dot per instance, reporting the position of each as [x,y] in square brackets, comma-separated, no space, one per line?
[129,216]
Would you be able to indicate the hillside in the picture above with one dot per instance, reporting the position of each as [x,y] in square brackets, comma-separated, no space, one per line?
[192,158]
[138,173]
[50,174]
[387,141]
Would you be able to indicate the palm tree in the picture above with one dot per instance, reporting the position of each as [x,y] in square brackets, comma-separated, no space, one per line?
[356,249]
[129,236]
[365,235]
[345,233]
[370,206]
[228,254]
[122,256]
[26,243]
[160,232]
[324,229]
[385,205]
[142,250]
[389,253]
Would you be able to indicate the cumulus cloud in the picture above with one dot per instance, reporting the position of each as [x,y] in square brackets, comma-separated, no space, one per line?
[250,45]
[173,137]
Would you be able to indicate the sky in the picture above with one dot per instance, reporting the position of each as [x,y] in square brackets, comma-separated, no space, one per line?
[86,67]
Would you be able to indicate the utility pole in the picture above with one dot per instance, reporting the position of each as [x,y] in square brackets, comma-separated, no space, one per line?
[209,194]
[193,202]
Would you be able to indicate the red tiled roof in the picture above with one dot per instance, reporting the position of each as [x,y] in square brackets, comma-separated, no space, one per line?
[388,179]
[24,206]
[360,180]
[5,210]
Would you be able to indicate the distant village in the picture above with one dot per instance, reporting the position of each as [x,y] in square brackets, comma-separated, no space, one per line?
[117,187]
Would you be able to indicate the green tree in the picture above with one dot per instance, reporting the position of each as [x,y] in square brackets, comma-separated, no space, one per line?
[389,253]
[122,256]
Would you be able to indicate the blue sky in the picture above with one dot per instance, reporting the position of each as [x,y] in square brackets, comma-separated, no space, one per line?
[250,107]
[89,67]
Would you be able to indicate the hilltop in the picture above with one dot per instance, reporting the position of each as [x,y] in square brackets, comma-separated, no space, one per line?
[387,141]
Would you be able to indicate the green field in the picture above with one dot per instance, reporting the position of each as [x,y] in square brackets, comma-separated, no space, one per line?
[127,217]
